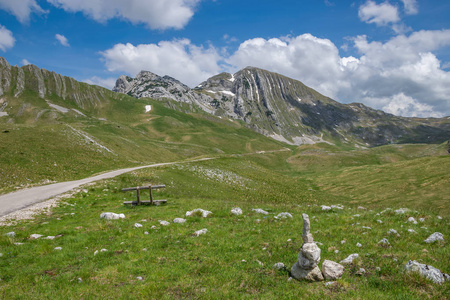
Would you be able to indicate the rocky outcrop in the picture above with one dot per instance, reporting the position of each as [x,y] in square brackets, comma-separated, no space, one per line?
[427,271]
[287,110]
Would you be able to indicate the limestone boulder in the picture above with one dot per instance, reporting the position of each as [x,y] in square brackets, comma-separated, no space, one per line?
[425,270]
[299,273]
[332,270]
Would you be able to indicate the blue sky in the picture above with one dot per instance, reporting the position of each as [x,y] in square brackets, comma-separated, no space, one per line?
[390,54]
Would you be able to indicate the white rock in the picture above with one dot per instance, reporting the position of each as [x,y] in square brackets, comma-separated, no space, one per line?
[96,252]
[336,251]
[439,217]
[260,211]
[366,227]
[35,236]
[18,244]
[50,237]
[283,215]
[153,227]
[392,231]
[179,220]
[342,242]
[103,250]
[309,256]
[349,259]
[425,270]
[378,269]
[360,207]
[236,211]
[412,220]
[401,211]
[111,216]
[332,270]
[437,236]
[325,207]
[146,233]
[421,220]
[58,248]
[310,274]
[330,283]
[337,206]
[384,242]
[411,230]
[358,245]
[204,213]
[201,231]
[139,278]
[164,223]
[278,265]
[137,225]
[379,221]
[11,234]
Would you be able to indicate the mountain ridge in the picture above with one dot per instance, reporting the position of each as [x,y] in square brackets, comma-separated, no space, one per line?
[287,110]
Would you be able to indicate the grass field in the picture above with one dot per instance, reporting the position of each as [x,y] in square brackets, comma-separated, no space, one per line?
[235,258]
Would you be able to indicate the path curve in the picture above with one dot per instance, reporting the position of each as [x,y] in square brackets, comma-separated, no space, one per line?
[21,199]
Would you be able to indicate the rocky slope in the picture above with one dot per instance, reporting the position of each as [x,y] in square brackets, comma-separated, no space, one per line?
[287,110]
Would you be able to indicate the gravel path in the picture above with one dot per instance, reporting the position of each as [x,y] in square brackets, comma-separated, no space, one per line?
[23,203]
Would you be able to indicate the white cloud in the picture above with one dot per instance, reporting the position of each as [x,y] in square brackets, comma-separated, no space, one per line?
[25,62]
[21,9]
[157,14]
[7,39]
[383,75]
[108,83]
[411,7]
[381,14]
[402,105]
[62,40]
[180,59]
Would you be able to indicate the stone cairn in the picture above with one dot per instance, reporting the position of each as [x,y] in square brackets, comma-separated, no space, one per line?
[306,266]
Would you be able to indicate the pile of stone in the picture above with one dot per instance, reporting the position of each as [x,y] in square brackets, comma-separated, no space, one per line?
[306,267]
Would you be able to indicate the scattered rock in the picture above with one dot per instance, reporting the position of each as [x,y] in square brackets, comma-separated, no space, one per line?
[332,270]
[424,250]
[378,269]
[146,233]
[392,231]
[279,266]
[35,236]
[111,216]
[283,215]
[325,207]
[50,237]
[201,231]
[412,220]
[18,244]
[203,212]
[361,272]
[58,248]
[366,227]
[103,250]
[236,211]
[401,211]
[439,217]
[137,225]
[80,280]
[411,230]
[349,259]
[96,252]
[11,234]
[437,236]
[139,278]
[379,221]
[384,242]
[179,220]
[79,227]
[153,227]
[358,245]
[336,251]
[357,215]
[360,207]
[164,223]
[337,206]
[425,270]
[421,220]
[260,211]
[342,242]
[330,283]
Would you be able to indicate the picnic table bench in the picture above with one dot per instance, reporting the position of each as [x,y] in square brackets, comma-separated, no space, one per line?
[138,195]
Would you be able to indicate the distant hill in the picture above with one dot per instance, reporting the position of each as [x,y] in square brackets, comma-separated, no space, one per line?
[287,110]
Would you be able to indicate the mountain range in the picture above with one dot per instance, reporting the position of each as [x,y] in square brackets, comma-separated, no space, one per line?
[287,110]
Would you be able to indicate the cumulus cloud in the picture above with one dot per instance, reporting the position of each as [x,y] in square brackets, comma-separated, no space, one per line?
[157,14]
[7,39]
[108,83]
[62,40]
[381,14]
[411,7]
[180,59]
[25,62]
[404,65]
[21,9]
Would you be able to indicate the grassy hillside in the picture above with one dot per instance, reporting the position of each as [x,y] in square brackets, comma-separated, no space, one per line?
[235,258]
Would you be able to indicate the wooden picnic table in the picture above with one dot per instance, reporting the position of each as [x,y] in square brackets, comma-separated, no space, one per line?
[138,195]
